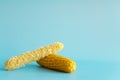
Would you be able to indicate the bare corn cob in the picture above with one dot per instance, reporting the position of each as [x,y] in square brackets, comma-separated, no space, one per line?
[57,62]
[21,60]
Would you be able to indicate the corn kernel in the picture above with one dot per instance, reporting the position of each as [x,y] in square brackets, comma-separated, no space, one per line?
[57,62]
[21,60]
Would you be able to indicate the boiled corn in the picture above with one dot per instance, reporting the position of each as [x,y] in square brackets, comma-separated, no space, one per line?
[21,60]
[57,62]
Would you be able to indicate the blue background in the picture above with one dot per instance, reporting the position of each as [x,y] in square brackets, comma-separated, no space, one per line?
[89,29]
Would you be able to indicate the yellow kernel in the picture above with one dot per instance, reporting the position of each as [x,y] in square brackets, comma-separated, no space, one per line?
[57,62]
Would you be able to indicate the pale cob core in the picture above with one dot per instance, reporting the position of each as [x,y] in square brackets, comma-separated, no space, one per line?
[21,60]
[57,62]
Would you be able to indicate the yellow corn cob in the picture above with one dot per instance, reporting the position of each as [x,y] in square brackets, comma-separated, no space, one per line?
[21,60]
[57,62]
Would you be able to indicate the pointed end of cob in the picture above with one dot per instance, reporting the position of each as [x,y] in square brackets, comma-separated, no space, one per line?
[59,45]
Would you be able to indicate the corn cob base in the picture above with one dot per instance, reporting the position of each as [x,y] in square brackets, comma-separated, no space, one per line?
[57,62]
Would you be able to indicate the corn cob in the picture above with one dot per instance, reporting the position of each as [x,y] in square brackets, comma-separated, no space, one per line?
[21,60]
[57,62]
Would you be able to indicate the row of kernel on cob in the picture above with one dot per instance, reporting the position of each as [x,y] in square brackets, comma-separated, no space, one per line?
[44,56]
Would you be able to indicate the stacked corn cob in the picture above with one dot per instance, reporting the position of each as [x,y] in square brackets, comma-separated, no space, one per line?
[44,56]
